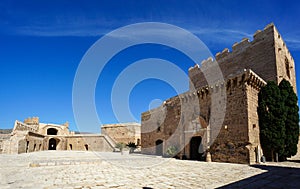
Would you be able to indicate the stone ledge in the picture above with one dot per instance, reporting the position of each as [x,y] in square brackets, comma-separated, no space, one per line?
[64,162]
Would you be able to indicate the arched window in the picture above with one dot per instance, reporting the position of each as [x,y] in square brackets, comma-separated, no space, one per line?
[51,131]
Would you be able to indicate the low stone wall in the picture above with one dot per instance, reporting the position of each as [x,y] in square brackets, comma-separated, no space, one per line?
[89,143]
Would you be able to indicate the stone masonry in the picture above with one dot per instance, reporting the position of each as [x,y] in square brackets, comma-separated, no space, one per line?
[219,117]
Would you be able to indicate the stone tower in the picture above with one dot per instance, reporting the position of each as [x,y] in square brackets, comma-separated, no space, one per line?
[235,138]
[267,56]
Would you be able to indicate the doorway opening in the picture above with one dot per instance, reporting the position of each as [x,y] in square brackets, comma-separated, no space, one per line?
[196,149]
[52,144]
[86,147]
[159,147]
[27,146]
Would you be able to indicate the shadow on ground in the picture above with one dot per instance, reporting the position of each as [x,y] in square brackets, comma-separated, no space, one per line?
[275,177]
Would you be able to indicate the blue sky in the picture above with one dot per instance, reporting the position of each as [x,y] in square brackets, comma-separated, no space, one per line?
[42,44]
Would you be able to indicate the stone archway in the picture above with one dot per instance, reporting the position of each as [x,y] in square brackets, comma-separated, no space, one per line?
[51,131]
[52,144]
[159,147]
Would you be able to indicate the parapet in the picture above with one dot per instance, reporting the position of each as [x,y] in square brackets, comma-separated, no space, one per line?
[245,76]
[241,45]
[207,63]
[246,43]
[32,121]
[66,124]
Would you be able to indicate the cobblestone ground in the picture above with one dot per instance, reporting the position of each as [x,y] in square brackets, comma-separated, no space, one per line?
[71,169]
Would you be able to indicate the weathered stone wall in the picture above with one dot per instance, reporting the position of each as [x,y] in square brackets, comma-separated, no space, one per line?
[3,137]
[23,142]
[123,132]
[160,124]
[61,142]
[252,91]
[284,61]
[32,121]
[61,129]
[88,143]
[19,126]
[29,137]
[32,142]
[266,55]
[230,134]
[239,135]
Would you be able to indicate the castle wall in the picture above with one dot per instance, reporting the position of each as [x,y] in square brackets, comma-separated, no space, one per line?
[266,55]
[160,124]
[23,142]
[88,143]
[19,126]
[3,138]
[32,136]
[235,138]
[124,133]
[32,142]
[61,129]
[284,61]
[253,125]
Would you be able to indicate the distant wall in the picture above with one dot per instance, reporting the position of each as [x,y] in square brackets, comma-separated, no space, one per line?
[88,143]
[3,137]
[123,132]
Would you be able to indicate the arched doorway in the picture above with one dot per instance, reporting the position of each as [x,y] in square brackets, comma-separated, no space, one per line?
[159,147]
[51,131]
[196,149]
[52,144]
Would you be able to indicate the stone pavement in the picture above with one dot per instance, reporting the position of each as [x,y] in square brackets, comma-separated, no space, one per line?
[74,169]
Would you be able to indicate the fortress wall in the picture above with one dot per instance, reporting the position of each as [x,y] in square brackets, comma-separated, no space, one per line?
[284,61]
[232,142]
[93,142]
[125,133]
[232,139]
[265,55]
[253,124]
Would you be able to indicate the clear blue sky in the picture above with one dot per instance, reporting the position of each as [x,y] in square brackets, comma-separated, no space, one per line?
[42,43]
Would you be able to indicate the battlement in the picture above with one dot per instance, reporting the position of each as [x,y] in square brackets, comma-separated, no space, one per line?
[32,121]
[19,126]
[246,43]
[270,32]
[267,55]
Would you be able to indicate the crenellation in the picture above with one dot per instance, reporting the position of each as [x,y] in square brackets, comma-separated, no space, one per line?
[222,55]
[245,43]
[271,25]
[206,63]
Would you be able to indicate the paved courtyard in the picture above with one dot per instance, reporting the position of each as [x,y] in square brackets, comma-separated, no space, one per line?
[74,169]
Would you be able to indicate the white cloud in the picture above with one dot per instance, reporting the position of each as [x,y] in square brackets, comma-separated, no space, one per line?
[293,43]
[213,36]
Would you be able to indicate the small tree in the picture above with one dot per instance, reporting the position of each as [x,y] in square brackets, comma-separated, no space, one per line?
[132,146]
[172,151]
[120,146]
[271,113]
[290,100]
